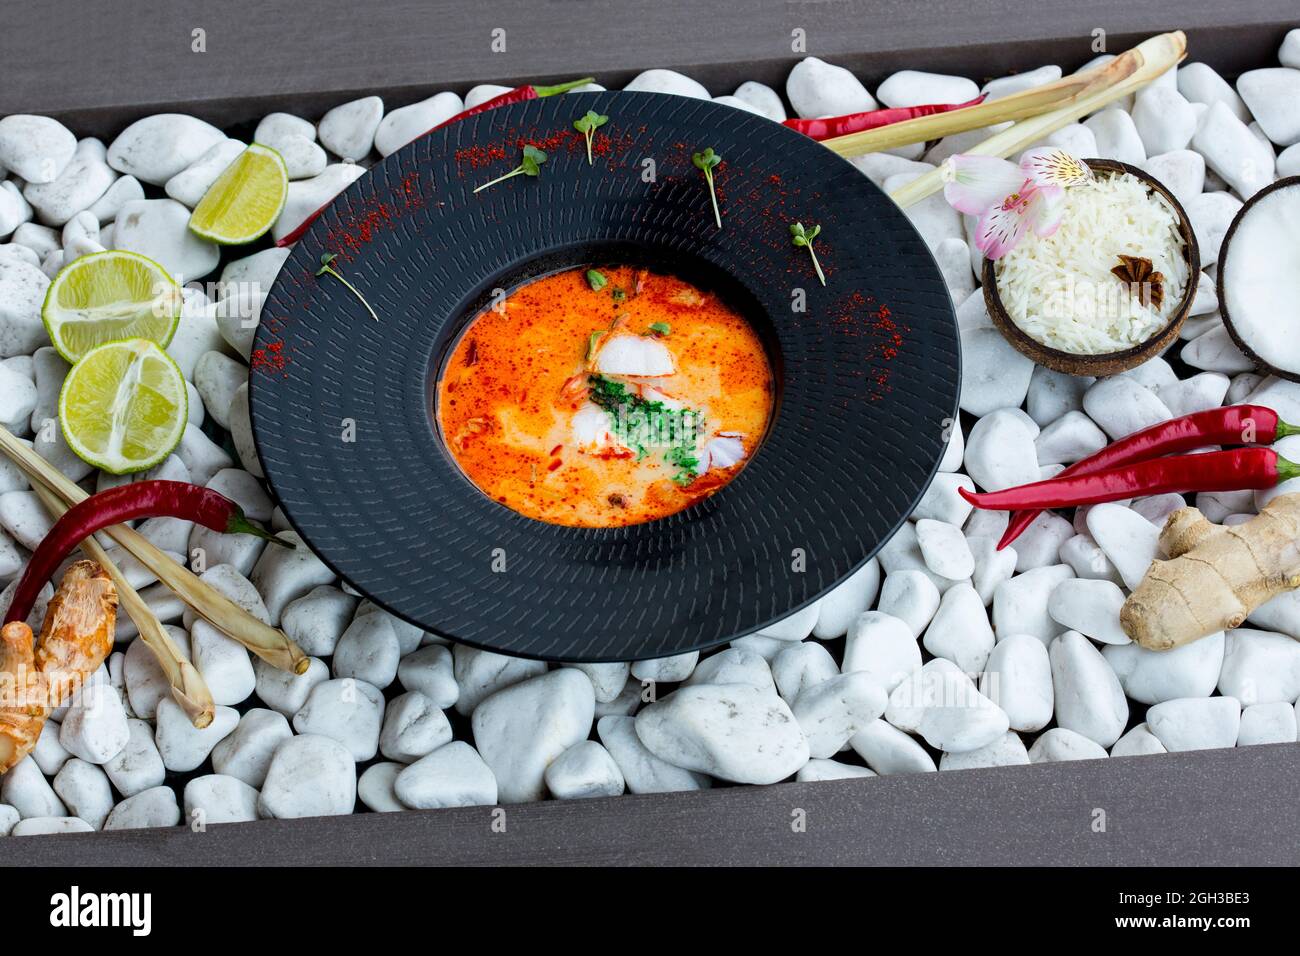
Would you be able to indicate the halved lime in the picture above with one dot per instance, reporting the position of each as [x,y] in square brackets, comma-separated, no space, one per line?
[123,407]
[245,200]
[107,297]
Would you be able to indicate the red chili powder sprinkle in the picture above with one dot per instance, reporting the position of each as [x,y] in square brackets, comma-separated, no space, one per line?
[858,316]
[271,359]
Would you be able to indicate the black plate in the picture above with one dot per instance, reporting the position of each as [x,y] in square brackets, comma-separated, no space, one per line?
[869,376]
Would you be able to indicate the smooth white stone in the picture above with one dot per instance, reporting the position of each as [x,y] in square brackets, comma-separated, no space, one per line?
[817,770]
[882,646]
[1039,545]
[284,574]
[286,692]
[521,729]
[14,210]
[138,766]
[1053,394]
[888,750]
[306,196]
[183,746]
[1069,438]
[1211,213]
[430,670]
[943,705]
[1273,96]
[81,183]
[911,597]
[584,771]
[800,666]
[817,88]
[992,566]
[1182,171]
[246,753]
[960,630]
[25,788]
[1121,406]
[1007,750]
[1289,53]
[224,664]
[1020,604]
[369,651]
[944,549]
[191,183]
[666,670]
[349,711]
[994,374]
[641,769]
[95,727]
[763,98]
[159,229]
[216,798]
[1288,163]
[309,776]
[794,627]
[736,103]
[48,753]
[1260,667]
[734,666]
[377,787]
[1232,151]
[156,148]
[1088,695]
[1060,744]
[941,502]
[403,125]
[1117,137]
[348,130]
[155,807]
[85,790]
[916,88]
[667,81]
[452,776]
[840,607]
[1196,723]
[1199,83]
[1018,82]
[1164,120]
[1000,451]
[831,712]
[1138,742]
[1076,139]
[932,217]
[35,148]
[481,673]
[22,291]
[1215,351]
[108,207]
[413,728]
[1130,541]
[955,450]
[1273,723]
[1196,394]
[42,826]
[1090,607]
[1018,678]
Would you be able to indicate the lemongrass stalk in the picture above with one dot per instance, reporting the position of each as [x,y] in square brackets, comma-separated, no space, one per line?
[1148,60]
[1017,106]
[268,643]
[188,686]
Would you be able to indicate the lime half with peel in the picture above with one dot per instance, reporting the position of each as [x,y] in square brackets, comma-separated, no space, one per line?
[107,297]
[245,200]
[123,407]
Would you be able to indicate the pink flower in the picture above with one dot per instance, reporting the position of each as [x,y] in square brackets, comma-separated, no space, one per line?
[1011,199]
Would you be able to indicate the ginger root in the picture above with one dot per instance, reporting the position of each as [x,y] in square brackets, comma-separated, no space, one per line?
[1215,576]
[75,639]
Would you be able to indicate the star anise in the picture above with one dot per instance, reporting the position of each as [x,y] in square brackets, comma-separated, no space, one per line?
[1138,274]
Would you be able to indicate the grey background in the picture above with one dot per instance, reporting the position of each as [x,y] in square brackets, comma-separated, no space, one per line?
[103,64]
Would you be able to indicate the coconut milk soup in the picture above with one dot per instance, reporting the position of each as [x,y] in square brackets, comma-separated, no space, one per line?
[604,397]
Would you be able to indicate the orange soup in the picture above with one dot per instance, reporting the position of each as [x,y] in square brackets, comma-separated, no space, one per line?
[605,397]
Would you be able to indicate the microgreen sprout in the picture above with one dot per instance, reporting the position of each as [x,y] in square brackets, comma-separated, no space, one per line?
[660,328]
[596,280]
[705,163]
[801,237]
[530,165]
[587,126]
[327,268]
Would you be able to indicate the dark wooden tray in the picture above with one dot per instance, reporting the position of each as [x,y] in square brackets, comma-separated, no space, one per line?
[103,65]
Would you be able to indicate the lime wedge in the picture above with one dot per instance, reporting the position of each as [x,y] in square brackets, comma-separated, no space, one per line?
[245,200]
[123,406]
[109,296]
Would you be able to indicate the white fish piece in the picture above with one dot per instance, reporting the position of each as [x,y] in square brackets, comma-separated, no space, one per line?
[638,356]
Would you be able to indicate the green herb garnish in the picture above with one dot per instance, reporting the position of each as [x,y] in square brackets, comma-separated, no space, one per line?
[705,163]
[660,328]
[800,237]
[640,423]
[593,340]
[530,165]
[587,126]
[596,280]
[618,294]
[327,268]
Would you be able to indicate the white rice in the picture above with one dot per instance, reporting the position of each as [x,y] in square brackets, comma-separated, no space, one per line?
[1060,289]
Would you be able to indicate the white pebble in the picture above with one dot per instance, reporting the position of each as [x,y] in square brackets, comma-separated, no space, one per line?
[1018,678]
[1130,541]
[916,88]
[246,753]
[888,750]
[1138,742]
[452,776]
[1007,750]
[1232,151]
[817,88]
[349,711]
[583,771]
[667,81]
[155,807]
[960,630]
[1090,607]
[1020,604]
[911,597]
[641,769]
[403,125]
[943,705]
[309,776]
[138,766]
[1117,136]
[831,712]
[348,131]
[1060,744]
[840,607]
[1260,667]
[1088,695]
[183,746]
[1272,723]
[1196,723]
[1000,450]
[216,798]
[480,673]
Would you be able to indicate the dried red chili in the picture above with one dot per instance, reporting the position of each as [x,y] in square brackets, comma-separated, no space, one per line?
[829,126]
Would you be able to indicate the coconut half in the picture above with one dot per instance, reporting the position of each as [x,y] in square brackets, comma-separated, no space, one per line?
[1259,278]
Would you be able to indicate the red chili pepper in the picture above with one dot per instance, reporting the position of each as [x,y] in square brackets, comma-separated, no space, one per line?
[518,95]
[829,126]
[1230,425]
[141,499]
[1235,470]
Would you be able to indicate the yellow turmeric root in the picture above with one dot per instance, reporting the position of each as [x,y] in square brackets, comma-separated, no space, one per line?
[75,639]
[1215,576]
